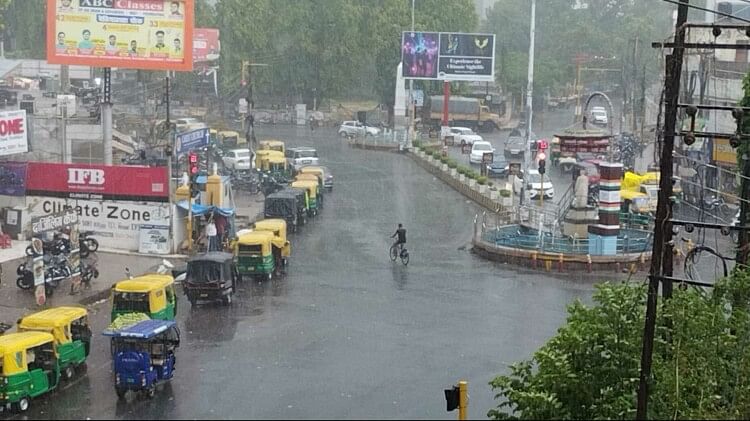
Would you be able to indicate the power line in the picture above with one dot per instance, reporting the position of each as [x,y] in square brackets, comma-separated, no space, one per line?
[708,10]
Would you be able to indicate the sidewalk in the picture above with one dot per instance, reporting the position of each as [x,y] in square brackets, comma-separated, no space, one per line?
[17,250]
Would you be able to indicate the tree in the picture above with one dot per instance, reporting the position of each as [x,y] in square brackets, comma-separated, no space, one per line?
[590,368]
[25,27]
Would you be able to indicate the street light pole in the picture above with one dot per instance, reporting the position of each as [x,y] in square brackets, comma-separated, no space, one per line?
[410,130]
[529,100]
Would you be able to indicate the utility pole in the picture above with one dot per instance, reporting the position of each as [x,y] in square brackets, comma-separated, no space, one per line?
[661,256]
[632,86]
[410,130]
[106,113]
[529,101]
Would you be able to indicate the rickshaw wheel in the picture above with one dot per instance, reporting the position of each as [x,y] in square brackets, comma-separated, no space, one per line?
[228,299]
[22,405]
[69,372]
[270,276]
[150,392]
[120,392]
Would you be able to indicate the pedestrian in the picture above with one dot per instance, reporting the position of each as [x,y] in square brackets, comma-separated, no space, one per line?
[211,234]
[221,227]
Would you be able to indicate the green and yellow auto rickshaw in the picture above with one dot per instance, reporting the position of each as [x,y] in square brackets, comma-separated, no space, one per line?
[313,195]
[273,145]
[30,368]
[229,139]
[152,294]
[70,328]
[277,166]
[278,227]
[255,255]
[265,156]
[311,177]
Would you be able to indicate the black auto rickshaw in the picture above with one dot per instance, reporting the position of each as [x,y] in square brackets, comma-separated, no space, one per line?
[300,197]
[210,277]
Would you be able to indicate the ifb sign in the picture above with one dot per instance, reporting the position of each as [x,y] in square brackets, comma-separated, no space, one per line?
[188,141]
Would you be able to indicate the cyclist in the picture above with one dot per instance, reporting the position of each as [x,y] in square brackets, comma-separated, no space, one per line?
[401,240]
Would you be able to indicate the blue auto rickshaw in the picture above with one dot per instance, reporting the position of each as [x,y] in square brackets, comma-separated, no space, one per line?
[144,355]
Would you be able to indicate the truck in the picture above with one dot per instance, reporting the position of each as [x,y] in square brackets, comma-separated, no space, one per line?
[462,111]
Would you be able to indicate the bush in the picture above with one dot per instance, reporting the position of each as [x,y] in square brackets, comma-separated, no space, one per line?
[461,170]
[482,180]
[444,159]
[452,163]
[472,174]
[436,155]
[417,144]
[505,193]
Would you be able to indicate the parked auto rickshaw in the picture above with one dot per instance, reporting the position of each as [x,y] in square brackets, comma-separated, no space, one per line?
[311,177]
[270,144]
[213,136]
[230,139]
[255,256]
[278,166]
[210,277]
[289,205]
[278,228]
[312,193]
[303,202]
[314,169]
[144,355]
[30,368]
[265,157]
[70,328]
[151,294]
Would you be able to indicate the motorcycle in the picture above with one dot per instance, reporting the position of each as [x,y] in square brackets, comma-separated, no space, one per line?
[86,246]
[85,241]
[58,270]
[712,203]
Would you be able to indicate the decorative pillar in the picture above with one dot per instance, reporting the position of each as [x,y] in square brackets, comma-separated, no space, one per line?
[603,236]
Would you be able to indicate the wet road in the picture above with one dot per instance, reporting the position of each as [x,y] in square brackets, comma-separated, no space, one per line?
[347,333]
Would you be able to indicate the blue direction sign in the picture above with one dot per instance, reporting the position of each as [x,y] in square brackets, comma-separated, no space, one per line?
[188,141]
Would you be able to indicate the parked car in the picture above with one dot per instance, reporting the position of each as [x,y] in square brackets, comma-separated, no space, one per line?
[599,116]
[478,149]
[237,159]
[535,184]
[301,156]
[355,128]
[498,168]
[464,136]
[515,147]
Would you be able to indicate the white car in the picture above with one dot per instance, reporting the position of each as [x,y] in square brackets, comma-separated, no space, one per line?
[478,149]
[464,136]
[189,123]
[238,159]
[537,184]
[599,116]
[355,128]
[302,156]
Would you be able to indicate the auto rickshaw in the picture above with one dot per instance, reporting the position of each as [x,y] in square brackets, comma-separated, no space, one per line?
[278,228]
[210,276]
[278,166]
[70,328]
[213,136]
[254,254]
[261,156]
[312,194]
[230,139]
[314,169]
[151,294]
[265,157]
[311,177]
[30,368]
[144,355]
[287,204]
[270,144]
[303,202]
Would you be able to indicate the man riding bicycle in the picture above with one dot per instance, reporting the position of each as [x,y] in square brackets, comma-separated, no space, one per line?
[401,233]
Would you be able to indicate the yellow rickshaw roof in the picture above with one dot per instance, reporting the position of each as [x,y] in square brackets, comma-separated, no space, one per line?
[256,237]
[213,131]
[308,184]
[306,177]
[145,283]
[229,133]
[271,224]
[53,317]
[14,342]
[311,169]
[272,142]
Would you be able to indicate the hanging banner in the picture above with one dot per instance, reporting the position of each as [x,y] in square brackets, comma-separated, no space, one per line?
[13,132]
[206,45]
[195,139]
[128,34]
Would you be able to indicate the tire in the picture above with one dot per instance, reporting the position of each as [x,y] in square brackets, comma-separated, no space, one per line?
[92,244]
[121,392]
[405,258]
[269,276]
[343,134]
[150,392]
[393,253]
[29,251]
[84,251]
[69,372]
[22,405]
[228,299]
[20,284]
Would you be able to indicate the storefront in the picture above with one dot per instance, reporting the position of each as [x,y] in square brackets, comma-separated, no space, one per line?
[115,203]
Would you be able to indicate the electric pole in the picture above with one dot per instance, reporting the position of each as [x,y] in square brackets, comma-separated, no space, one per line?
[529,102]
[661,256]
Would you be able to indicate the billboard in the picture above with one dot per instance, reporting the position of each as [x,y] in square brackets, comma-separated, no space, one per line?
[130,34]
[448,56]
[98,182]
[13,132]
[193,139]
[206,45]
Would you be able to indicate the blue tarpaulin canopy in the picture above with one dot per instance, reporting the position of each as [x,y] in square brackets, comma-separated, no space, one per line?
[200,210]
[203,179]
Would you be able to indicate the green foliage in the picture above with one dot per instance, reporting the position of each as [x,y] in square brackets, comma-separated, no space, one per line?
[437,155]
[462,170]
[22,22]
[590,368]
[416,143]
[452,163]
[505,193]
[482,180]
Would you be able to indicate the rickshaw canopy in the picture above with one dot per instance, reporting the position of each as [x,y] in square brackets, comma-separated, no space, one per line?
[146,329]
[51,318]
[145,283]
[275,225]
[14,345]
[272,144]
[309,185]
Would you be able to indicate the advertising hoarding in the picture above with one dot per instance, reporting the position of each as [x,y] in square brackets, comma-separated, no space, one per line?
[13,132]
[98,182]
[448,56]
[193,139]
[130,34]
[206,45]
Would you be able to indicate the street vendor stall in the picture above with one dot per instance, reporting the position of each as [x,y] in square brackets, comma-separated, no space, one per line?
[223,219]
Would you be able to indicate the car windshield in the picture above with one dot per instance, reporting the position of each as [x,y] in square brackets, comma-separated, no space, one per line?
[131,301]
[482,147]
[201,272]
[242,154]
[599,113]
[536,178]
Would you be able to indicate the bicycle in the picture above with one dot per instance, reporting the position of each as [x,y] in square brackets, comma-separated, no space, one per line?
[404,254]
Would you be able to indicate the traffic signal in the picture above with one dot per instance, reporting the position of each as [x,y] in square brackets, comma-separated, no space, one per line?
[542,168]
[193,163]
[452,397]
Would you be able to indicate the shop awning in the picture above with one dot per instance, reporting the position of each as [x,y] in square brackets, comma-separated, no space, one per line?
[200,210]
